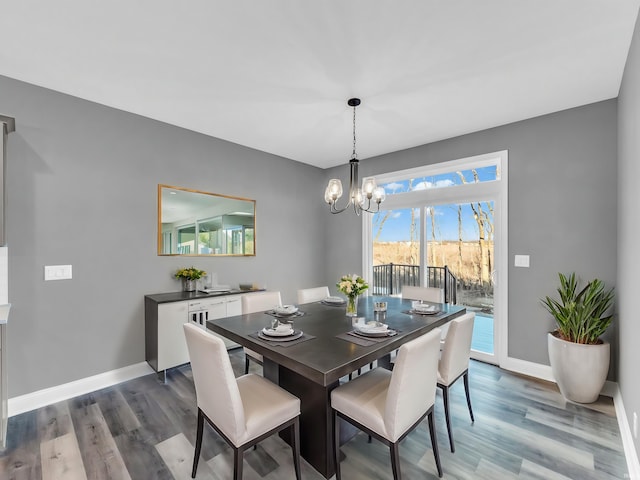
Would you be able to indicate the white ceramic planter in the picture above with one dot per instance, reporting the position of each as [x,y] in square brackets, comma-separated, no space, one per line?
[580,370]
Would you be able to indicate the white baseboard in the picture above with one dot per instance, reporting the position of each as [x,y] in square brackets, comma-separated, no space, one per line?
[48,396]
[525,367]
[625,431]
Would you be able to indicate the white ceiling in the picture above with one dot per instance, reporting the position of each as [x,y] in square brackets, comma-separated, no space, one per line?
[275,75]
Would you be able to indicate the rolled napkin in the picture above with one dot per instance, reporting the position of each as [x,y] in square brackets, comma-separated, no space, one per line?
[279,330]
[372,327]
[285,309]
[283,327]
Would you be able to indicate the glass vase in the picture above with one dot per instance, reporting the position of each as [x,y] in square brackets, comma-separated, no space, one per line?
[352,306]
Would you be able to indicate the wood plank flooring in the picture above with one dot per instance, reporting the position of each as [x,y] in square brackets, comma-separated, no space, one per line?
[144,429]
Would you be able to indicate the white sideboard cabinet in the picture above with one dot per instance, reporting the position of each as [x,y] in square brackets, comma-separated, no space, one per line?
[166,313]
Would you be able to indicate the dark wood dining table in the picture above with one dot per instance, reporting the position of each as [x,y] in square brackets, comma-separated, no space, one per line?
[312,367]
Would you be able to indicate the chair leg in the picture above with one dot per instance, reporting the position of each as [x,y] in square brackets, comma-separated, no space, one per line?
[434,442]
[336,443]
[465,378]
[238,457]
[395,461]
[295,446]
[196,455]
[246,363]
[447,416]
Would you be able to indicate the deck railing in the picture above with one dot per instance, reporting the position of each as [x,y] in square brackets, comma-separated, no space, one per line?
[389,279]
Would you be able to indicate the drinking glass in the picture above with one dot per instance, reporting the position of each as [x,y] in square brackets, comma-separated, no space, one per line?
[380,311]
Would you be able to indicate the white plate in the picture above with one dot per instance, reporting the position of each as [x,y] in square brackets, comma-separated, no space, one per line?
[387,333]
[424,307]
[335,300]
[270,332]
[296,335]
[426,312]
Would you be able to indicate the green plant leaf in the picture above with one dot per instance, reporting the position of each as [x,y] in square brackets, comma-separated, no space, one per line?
[581,317]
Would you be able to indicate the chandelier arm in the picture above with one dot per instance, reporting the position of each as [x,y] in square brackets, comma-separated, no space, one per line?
[368,210]
[334,210]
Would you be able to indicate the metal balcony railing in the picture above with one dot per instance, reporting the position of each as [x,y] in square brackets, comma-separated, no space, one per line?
[389,280]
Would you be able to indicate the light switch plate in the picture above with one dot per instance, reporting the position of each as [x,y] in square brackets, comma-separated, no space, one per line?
[57,272]
[522,261]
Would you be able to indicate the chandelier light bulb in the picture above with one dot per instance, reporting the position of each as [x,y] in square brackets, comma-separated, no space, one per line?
[379,195]
[327,196]
[368,187]
[333,191]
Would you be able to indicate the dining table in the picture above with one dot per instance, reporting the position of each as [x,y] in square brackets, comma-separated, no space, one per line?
[325,350]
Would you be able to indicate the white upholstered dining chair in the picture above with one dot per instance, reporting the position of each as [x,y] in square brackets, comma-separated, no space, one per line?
[454,363]
[389,405]
[257,302]
[426,294]
[309,295]
[243,411]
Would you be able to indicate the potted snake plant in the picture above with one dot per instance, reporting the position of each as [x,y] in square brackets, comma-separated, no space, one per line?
[578,355]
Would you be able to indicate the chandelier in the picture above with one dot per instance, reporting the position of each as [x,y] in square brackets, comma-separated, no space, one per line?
[363,199]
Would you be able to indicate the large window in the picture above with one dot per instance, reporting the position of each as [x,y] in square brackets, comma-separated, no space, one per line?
[440,226]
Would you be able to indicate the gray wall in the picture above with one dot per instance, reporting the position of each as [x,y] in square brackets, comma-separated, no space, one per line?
[82,190]
[82,182]
[629,230]
[562,209]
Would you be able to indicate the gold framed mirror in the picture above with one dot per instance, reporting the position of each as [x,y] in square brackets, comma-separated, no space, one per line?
[192,222]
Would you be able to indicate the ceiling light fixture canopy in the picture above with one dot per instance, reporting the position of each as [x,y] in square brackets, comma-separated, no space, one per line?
[362,199]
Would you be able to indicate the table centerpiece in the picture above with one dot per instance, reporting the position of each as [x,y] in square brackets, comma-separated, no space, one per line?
[352,286]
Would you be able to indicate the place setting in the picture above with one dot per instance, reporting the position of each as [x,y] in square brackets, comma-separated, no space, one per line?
[367,333]
[420,308]
[285,311]
[333,301]
[373,330]
[282,334]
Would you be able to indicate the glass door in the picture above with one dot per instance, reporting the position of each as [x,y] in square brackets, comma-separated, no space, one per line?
[460,238]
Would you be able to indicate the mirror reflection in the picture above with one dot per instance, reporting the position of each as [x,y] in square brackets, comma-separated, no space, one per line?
[191,222]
